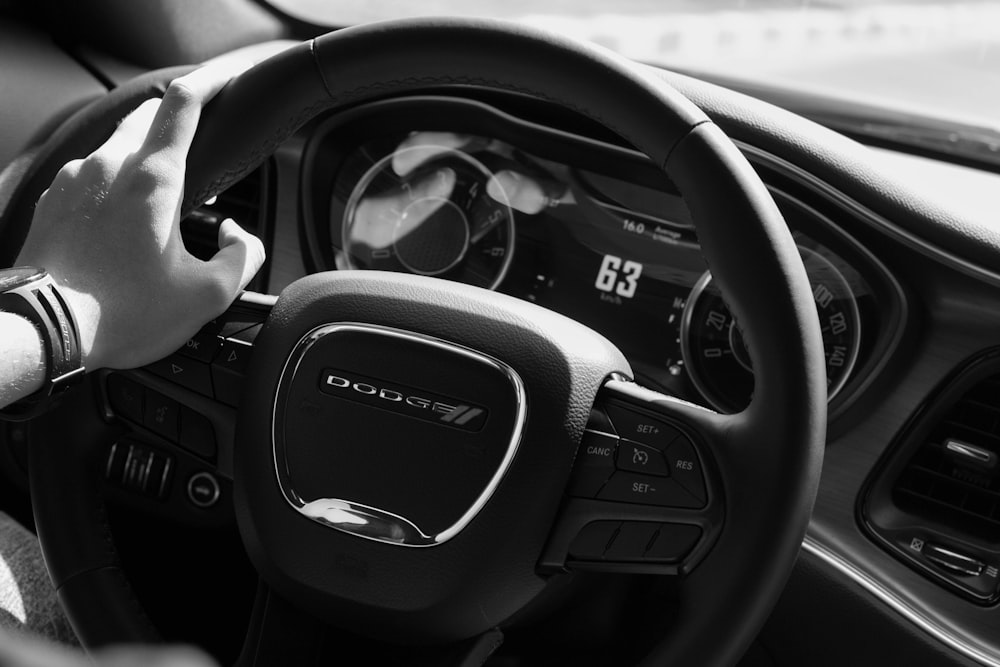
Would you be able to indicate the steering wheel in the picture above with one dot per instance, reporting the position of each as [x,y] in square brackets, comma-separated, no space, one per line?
[408,462]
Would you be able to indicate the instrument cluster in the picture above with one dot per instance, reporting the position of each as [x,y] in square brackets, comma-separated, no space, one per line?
[578,226]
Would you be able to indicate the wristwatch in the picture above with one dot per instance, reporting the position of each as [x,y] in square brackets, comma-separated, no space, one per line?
[30,292]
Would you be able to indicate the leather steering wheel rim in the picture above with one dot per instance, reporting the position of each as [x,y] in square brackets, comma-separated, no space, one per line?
[744,239]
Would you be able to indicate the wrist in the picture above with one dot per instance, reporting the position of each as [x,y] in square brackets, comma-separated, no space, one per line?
[22,366]
[87,313]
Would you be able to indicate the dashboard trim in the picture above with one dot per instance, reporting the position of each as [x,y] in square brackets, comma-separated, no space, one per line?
[898,233]
[969,649]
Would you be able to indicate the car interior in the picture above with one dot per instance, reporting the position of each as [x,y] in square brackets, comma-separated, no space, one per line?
[557,357]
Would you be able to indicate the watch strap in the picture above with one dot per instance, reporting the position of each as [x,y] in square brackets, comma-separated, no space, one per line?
[41,302]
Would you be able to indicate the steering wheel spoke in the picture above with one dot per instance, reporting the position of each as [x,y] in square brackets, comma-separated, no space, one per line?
[176,454]
[643,496]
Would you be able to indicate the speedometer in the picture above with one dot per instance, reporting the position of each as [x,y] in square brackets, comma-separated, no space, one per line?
[715,352]
[447,217]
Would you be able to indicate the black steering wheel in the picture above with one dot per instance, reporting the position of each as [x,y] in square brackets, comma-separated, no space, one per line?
[408,460]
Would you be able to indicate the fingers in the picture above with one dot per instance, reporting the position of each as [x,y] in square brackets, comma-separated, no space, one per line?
[167,656]
[177,117]
[240,256]
[132,131]
[421,147]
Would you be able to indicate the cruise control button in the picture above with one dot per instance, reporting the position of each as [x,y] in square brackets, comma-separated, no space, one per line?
[686,468]
[641,458]
[632,540]
[672,543]
[628,487]
[591,542]
[189,373]
[161,415]
[125,397]
[640,428]
[597,449]
[595,463]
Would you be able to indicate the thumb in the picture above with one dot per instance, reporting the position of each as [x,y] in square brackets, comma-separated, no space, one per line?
[240,256]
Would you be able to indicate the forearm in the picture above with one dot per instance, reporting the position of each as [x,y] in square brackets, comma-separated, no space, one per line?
[22,363]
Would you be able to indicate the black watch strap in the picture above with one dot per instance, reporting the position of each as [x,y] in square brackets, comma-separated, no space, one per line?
[32,293]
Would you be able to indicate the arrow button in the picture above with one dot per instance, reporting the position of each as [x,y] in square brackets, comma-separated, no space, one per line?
[234,355]
[185,371]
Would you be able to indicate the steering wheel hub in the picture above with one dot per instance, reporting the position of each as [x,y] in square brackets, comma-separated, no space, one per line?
[393,435]
[418,412]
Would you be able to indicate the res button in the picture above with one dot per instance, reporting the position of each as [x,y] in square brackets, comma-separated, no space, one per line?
[685,467]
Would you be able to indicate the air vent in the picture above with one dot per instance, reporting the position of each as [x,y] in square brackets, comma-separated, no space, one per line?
[243,202]
[953,476]
[934,499]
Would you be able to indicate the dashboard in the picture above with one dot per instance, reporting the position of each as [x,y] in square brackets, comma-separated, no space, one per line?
[578,225]
[506,193]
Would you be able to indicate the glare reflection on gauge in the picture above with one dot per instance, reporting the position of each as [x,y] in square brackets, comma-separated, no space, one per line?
[716,354]
[445,217]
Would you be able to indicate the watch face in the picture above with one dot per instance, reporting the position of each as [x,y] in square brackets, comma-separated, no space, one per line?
[18,276]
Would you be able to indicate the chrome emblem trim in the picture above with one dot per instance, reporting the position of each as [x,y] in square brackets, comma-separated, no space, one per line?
[373,523]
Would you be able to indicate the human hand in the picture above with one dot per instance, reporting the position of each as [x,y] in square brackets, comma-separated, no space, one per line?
[421,193]
[108,231]
[22,650]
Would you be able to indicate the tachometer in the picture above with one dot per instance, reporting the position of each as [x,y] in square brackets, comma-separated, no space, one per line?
[716,354]
[447,216]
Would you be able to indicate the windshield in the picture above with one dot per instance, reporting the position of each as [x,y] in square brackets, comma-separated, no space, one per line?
[932,58]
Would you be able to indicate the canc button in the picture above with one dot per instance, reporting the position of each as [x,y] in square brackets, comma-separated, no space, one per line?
[595,462]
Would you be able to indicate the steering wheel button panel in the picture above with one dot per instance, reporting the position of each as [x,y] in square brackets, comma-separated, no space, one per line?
[125,397]
[187,372]
[640,428]
[640,458]
[593,540]
[631,542]
[672,542]
[627,487]
[595,463]
[685,467]
[600,422]
[197,435]
[202,346]
[161,415]
[234,355]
